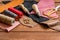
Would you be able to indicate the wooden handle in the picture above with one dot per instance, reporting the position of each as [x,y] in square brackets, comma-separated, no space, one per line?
[35,8]
[24,8]
[57,7]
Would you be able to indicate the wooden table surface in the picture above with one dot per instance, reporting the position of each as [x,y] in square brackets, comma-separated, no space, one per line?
[36,33]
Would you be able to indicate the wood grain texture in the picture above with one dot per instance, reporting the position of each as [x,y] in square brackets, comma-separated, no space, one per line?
[30,36]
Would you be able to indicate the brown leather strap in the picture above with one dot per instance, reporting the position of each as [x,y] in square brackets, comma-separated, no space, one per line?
[26,21]
[53,24]
[50,23]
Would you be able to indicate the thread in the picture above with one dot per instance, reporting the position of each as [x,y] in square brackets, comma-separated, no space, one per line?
[19,13]
[7,20]
[11,14]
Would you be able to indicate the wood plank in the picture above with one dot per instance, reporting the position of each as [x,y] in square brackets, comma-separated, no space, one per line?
[57,0]
[57,4]
[30,36]
[42,35]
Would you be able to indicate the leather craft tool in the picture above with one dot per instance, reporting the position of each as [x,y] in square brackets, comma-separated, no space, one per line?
[44,4]
[6,19]
[11,14]
[35,8]
[35,17]
[11,4]
[37,13]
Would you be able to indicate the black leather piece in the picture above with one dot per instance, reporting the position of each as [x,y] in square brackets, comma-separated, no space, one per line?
[28,4]
[37,18]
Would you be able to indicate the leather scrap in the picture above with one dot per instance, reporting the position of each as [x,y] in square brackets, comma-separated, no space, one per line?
[50,22]
[53,24]
[37,18]
[26,21]
[57,8]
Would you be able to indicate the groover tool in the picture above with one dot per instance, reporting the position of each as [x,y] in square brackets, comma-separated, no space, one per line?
[46,7]
[35,16]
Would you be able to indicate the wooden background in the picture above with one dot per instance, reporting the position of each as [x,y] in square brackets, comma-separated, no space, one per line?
[36,33]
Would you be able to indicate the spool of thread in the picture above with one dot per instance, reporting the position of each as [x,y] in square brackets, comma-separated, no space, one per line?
[19,13]
[6,19]
[11,14]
